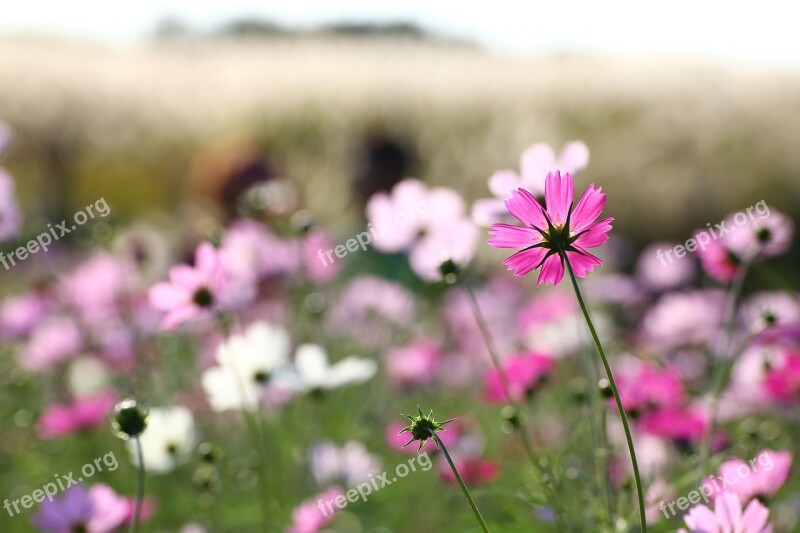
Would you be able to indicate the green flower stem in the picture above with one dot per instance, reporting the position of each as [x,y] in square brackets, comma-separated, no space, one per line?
[461,483]
[137,510]
[722,350]
[613,384]
[504,382]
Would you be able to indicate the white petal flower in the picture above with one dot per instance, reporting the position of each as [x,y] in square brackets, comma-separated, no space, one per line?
[168,440]
[247,364]
[314,373]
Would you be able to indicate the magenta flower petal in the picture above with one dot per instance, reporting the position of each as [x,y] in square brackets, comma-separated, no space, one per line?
[503,182]
[524,206]
[596,235]
[588,208]
[558,196]
[582,261]
[524,261]
[552,271]
[507,236]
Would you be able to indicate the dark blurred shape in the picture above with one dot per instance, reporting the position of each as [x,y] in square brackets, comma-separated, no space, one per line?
[383,161]
[366,29]
[251,27]
[226,171]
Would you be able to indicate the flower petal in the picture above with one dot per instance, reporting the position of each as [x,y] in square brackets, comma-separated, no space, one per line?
[503,182]
[582,262]
[508,236]
[595,235]
[552,271]
[524,261]
[574,157]
[524,206]
[558,195]
[588,208]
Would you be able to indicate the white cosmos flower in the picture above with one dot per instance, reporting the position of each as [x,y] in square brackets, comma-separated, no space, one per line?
[247,364]
[351,464]
[314,373]
[168,440]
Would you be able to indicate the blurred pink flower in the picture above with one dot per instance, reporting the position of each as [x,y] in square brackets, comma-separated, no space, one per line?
[95,287]
[251,252]
[96,510]
[526,372]
[370,309]
[83,413]
[647,387]
[414,364]
[19,314]
[450,436]
[429,224]
[562,226]
[10,217]
[772,234]
[548,321]
[761,478]
[312,515]
[351,464]
[680,423]
[535,163]
[659,276]
[55,340]
[782,382]
[769,308]
[193,291]
[317,272]
[473,470]
[688,318]
[727,517]
[717,261]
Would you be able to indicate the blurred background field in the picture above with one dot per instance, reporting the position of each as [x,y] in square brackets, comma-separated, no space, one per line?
[675,143]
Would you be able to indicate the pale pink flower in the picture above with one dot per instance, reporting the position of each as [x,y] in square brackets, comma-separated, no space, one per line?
[95,287]
[525,372]
[414,364]
[10,216]
[535,163]
[769,308]
[351,464]
[761,477]
[55,340]
[688,318]
[563,227]
[193,291]
[314,514]
[83,413]
[717,261]
[727,517]
[782,382]
[428,224]
[21,313]
[659,273]
[251,252]
[548,322]
[315,270]
[96,510]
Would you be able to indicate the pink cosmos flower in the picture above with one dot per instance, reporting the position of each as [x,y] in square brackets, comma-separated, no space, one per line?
[782,382]
[689,318]
[535,163]
[251,252]
[193,291]
[659,274]
[647,387]
[717,261]
[55,340]
[474,470]
[318,272]
[727,517]
[95,287]
[96,510]
[525,373]
[429,224]
[19,314]
[767,309]
[547,232]
[83,413]
[414,364]
[761,478]
[312,515]
[679,423]
[548,321]
[351,464]
[10,217]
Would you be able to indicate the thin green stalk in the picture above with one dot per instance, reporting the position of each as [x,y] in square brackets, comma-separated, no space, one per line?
[461,482]
[613,384]
[137,509]
[720,372]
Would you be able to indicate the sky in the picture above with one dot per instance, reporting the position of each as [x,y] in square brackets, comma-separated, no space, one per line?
[765,33]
